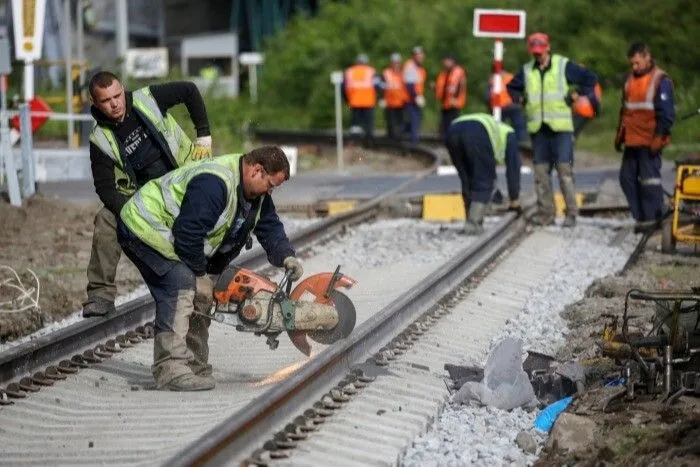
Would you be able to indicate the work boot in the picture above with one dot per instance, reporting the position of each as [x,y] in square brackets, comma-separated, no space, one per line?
[545,198]
[190,382]
[569,221]
[200,369]
[475,221]
[566,183]
[98,307]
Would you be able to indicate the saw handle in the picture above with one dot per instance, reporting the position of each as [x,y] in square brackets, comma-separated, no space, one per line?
[286,282]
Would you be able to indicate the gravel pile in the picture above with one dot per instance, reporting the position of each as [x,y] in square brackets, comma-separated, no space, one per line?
[486,436]
[291,225]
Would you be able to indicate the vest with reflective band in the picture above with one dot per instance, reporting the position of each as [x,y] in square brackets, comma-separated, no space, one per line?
[178,143]
[151,212]
[420,71]
[359,86]
[638,116]
[451,88]
[497,131]
[545,96]
[394,92]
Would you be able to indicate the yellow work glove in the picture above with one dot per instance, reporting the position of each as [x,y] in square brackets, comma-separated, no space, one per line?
[202,148]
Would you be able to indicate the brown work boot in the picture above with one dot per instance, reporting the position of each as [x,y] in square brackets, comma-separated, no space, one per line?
[190,382]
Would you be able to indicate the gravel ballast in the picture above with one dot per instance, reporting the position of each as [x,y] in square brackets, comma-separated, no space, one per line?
[473,435]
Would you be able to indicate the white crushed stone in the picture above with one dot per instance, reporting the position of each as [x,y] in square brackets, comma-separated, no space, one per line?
[472,435]
[291,224]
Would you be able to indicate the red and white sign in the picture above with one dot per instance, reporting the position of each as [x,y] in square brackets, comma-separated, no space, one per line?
[500,24]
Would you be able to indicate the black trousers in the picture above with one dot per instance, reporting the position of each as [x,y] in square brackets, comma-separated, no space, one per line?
[394,122]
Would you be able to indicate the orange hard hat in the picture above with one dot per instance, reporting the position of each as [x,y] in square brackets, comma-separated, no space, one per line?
[583,107]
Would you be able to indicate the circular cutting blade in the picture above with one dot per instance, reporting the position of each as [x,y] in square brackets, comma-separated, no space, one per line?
[346,320]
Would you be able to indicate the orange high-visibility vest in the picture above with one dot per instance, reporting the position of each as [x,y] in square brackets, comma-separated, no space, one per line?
[503,99]
[394,92]
[359,86]
[411,65]
[638,115]
[451,88]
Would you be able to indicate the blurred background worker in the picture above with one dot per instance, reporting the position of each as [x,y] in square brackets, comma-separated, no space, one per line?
[393,98]
[134,140]
[477,143]
[511,112]
[450,91]
[547,82]
[414,76]
[360,84]
[646,118]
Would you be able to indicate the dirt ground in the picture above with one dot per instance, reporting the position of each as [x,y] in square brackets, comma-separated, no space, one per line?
[644,431]
[52,238]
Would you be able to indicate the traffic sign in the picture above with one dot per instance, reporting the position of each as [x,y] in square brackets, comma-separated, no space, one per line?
[501,24]
[35,105]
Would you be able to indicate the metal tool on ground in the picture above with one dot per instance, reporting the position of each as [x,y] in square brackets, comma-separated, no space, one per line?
[671,364]
[684,223]
[315,308]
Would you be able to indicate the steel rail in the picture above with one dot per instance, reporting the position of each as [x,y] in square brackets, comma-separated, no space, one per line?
[30,356]
[237,436]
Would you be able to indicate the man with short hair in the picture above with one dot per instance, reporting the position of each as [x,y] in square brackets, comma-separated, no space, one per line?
[548,83]
[135,140]
[644,129]
[182,230]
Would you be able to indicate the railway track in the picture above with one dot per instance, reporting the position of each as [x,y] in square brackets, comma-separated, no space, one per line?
[265,410]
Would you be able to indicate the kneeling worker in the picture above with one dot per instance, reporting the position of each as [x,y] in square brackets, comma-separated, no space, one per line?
[182,230]
[476,143]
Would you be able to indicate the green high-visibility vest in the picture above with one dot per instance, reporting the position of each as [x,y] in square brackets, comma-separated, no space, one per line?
[497,131]
[151,212]
[545,97]
[178,142]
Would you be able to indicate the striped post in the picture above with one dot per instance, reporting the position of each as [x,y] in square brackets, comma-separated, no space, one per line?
[497,86]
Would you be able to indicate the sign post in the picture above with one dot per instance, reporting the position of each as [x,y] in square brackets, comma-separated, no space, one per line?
[498,24]
[337,80]
[252,60]
[7,158]
[28,22]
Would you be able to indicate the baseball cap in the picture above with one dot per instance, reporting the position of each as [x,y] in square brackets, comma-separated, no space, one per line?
[537,42]
[395,57]
[417,50]
[362,58]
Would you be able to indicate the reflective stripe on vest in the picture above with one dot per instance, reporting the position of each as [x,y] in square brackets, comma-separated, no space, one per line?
[151,212]
[179,144]
[497,131]
[546,95]
[638,114]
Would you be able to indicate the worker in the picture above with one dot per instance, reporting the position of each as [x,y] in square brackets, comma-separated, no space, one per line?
[182,230]
[477,143]
[134,140]
[510,111]
[546,83]
[414,76]
[393,98]
[450,91]
[644,129]
[360,85]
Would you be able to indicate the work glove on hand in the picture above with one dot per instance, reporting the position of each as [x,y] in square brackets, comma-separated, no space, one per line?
[658,142]
[202,148]
[203,293]
[420,101]
[619,138]
[293,265]
[382,103]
